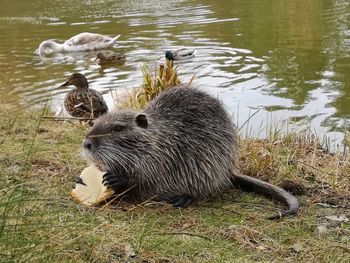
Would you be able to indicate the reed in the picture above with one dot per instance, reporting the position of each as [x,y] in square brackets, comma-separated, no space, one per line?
[164,77]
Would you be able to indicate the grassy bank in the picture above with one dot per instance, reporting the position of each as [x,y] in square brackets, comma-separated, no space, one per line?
[39,221]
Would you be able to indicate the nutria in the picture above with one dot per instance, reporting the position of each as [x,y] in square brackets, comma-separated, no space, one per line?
[181,148]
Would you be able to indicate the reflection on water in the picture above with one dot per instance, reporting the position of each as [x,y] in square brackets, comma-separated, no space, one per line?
[291,59]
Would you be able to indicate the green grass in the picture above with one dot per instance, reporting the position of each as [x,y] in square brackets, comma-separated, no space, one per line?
[40,222]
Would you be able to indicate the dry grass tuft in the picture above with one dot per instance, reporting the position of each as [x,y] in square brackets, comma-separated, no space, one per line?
[301,160]
[154,83]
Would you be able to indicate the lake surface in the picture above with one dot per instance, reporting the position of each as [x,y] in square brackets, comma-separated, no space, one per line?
[290,59]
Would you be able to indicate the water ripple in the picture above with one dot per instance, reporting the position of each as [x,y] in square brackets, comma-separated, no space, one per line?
[250,54]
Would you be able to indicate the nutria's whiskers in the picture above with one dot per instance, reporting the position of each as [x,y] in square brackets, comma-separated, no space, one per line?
[99,135]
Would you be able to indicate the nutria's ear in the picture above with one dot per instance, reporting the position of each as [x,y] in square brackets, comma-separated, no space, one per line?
[141,120]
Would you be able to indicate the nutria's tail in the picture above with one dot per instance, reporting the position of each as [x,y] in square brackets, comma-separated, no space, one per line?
[252,184]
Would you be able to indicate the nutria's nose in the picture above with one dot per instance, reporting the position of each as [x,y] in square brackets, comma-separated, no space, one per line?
[87,144]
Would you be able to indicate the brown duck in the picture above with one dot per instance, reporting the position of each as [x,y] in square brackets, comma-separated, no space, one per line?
[83,102]
[109,57]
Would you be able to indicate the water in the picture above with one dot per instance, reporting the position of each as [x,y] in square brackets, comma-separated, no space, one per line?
[288,59]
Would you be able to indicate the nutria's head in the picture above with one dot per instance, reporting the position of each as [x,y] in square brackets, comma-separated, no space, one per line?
[116,139]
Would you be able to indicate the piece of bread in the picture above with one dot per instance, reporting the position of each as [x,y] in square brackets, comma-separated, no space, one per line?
[89,189]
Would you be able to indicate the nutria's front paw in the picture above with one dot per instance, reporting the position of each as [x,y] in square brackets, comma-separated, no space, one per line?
[182,201]
[116,183]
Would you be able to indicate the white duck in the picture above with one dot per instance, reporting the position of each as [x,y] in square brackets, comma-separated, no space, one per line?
[81,42]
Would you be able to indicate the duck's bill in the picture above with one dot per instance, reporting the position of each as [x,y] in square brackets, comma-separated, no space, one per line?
[65,84]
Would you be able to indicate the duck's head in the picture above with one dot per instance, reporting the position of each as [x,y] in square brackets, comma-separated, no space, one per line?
[169,55]
[100,57]
[48,47]
[78,80]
